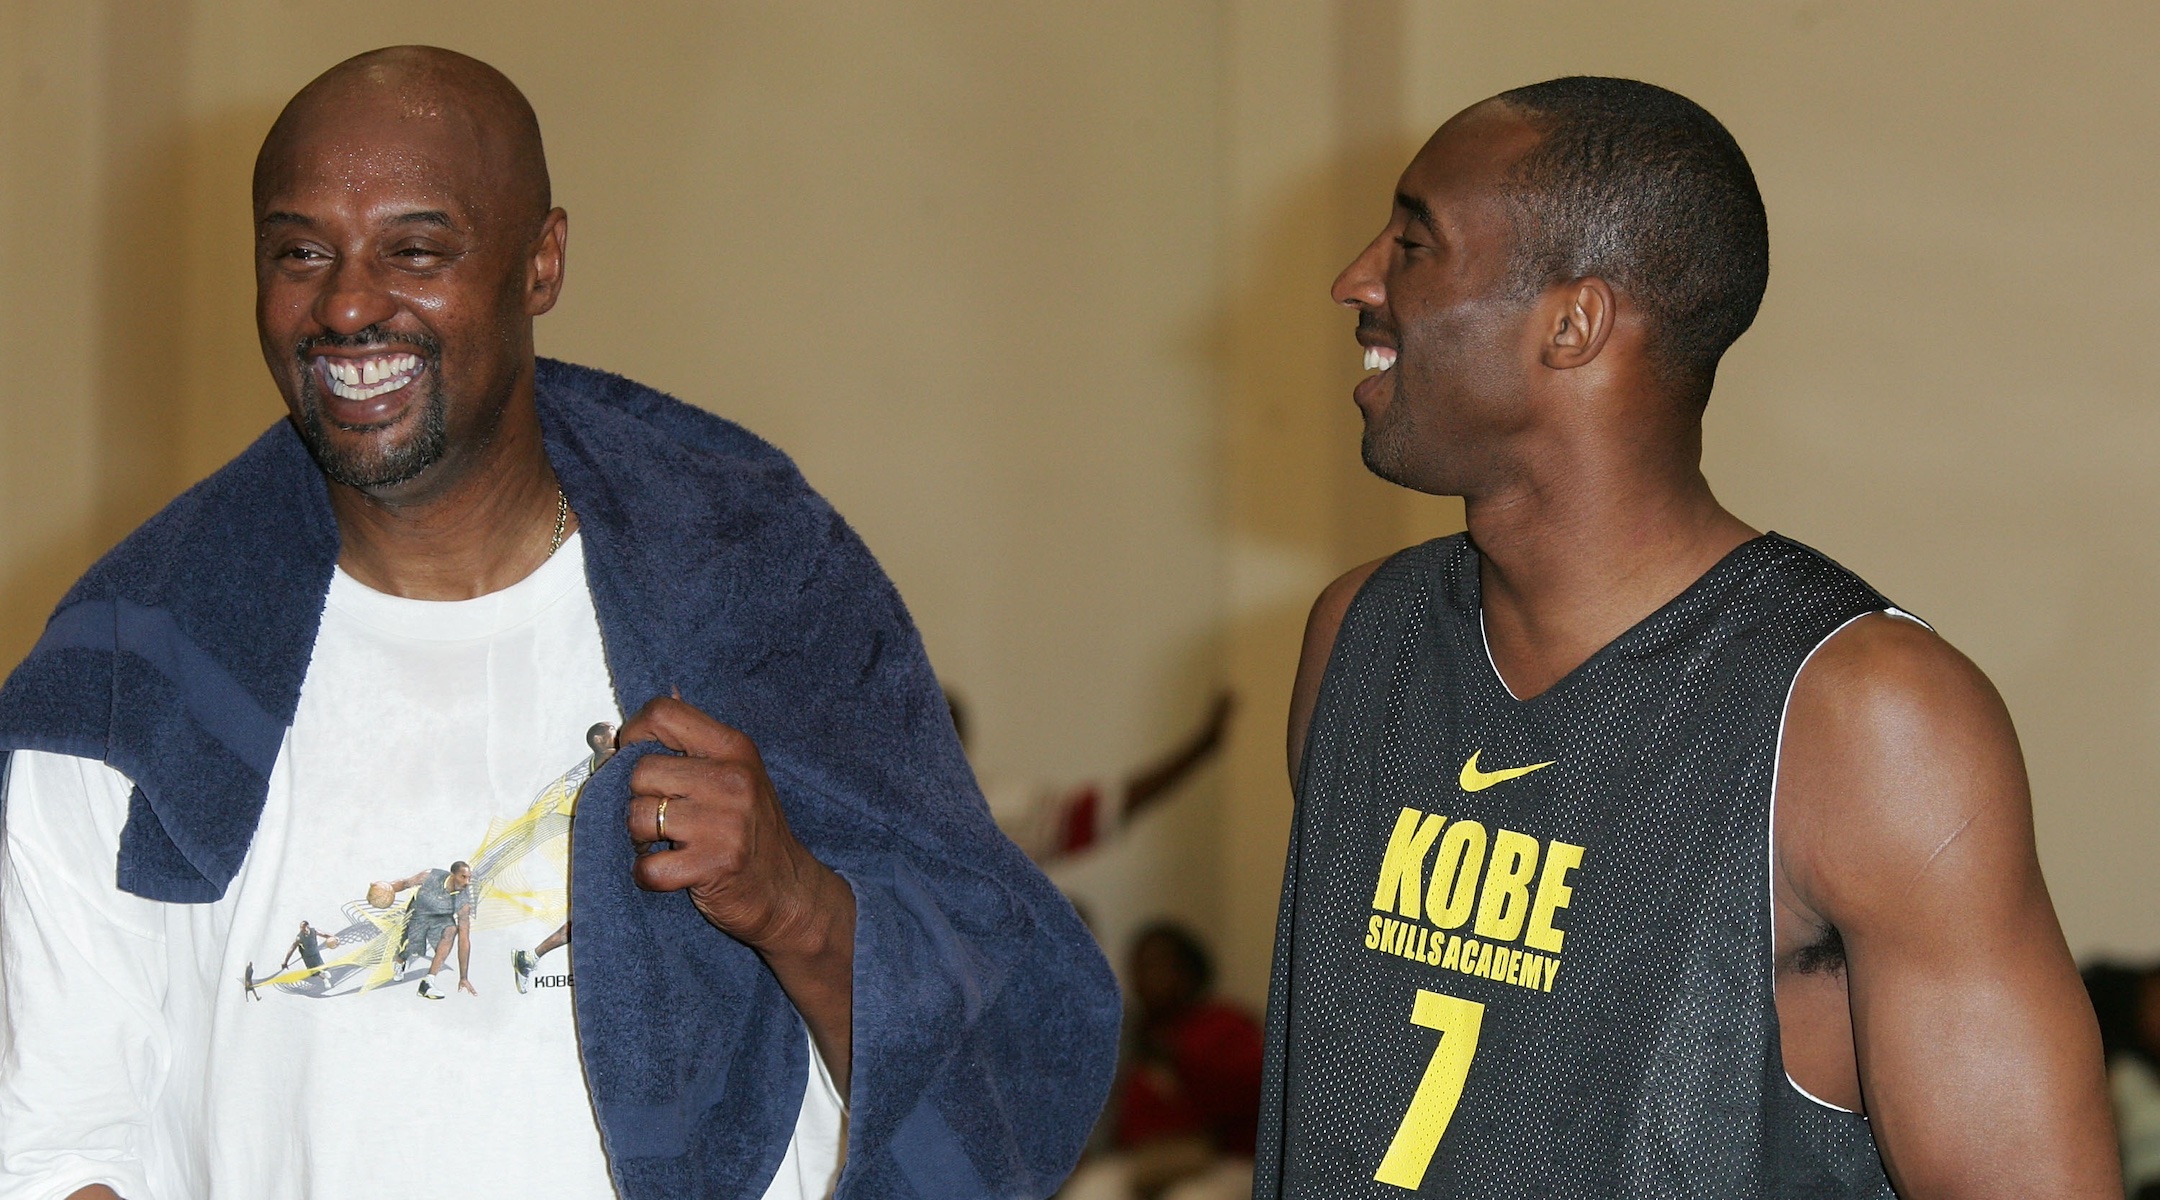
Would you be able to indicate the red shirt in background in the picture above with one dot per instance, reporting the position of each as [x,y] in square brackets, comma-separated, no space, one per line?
[1199,1075]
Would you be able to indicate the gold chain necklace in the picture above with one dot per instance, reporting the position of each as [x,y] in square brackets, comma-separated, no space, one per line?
[562,518]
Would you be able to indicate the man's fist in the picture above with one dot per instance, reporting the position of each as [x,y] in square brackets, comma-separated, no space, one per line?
[725,840]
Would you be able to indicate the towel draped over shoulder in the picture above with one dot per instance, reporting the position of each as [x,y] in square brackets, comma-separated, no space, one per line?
[985,1021]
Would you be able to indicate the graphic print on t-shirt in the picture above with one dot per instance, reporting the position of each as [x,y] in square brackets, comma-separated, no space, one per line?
[517,874]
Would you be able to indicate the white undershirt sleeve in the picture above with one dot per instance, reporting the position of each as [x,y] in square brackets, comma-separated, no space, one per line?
[83,1043]
[810,1170]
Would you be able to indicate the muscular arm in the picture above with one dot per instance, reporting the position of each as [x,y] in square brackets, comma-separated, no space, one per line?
[1904,823]
[1320,629]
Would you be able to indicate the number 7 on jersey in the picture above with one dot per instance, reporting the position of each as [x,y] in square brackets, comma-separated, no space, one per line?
[1419,1134]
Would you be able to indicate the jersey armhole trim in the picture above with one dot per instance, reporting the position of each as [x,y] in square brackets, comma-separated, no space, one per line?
[1819,1100]
[1900,614]
[1777,760]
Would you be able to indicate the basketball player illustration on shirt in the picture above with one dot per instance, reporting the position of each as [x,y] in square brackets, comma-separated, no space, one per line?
[600,739]
[308,944]
[517,874]
[438,917]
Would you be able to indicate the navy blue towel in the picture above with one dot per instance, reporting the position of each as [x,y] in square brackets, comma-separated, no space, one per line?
[985,1018]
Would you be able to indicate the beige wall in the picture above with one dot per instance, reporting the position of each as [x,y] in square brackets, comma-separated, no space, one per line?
[1037,294]
[85,320]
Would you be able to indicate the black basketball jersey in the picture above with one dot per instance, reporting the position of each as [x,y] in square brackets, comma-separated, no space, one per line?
[1524,947]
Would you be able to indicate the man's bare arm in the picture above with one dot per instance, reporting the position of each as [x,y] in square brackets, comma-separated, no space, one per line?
[1320,630]
[1905,824]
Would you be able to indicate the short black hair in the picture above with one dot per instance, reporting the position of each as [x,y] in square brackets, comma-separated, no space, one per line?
[1186,945]
[1643,188]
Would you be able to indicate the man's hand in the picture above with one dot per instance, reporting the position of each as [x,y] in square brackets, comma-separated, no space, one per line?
[728,845]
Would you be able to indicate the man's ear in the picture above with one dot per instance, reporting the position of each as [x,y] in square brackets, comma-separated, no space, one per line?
[544,270]
[1579,317]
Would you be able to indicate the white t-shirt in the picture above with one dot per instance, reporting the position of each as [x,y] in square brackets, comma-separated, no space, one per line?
[176,1050]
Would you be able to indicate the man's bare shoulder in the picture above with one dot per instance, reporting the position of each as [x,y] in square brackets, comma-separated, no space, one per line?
[1887,688]
[1899,759]
[1321,626]
[1334,601]
[1891,658]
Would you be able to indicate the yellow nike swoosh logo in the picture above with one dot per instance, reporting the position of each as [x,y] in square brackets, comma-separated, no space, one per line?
[1474,780]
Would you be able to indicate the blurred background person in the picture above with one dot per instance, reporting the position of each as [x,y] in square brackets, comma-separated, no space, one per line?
[1187,1098]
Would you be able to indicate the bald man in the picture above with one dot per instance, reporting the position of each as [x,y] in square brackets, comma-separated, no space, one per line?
[1637,853]
[807,964]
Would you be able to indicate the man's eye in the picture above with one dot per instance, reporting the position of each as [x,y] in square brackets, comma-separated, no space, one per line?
[1407,244]
[302,254]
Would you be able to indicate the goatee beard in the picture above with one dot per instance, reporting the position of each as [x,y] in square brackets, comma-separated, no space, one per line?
[381,462]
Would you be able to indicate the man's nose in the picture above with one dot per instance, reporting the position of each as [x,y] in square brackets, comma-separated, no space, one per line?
[352,299]
[1359,285]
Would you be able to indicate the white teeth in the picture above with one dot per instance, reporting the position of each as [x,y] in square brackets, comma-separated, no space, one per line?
[368,378]
[1378,358]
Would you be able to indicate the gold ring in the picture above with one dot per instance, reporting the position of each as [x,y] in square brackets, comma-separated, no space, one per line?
[659,820]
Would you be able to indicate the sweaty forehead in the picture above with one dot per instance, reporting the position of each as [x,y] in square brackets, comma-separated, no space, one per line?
[362,150]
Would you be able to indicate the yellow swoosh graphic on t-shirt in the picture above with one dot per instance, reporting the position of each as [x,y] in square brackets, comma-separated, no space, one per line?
[1474,780]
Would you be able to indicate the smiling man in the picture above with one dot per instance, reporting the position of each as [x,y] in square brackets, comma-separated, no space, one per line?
[401,628]
[1637,853]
